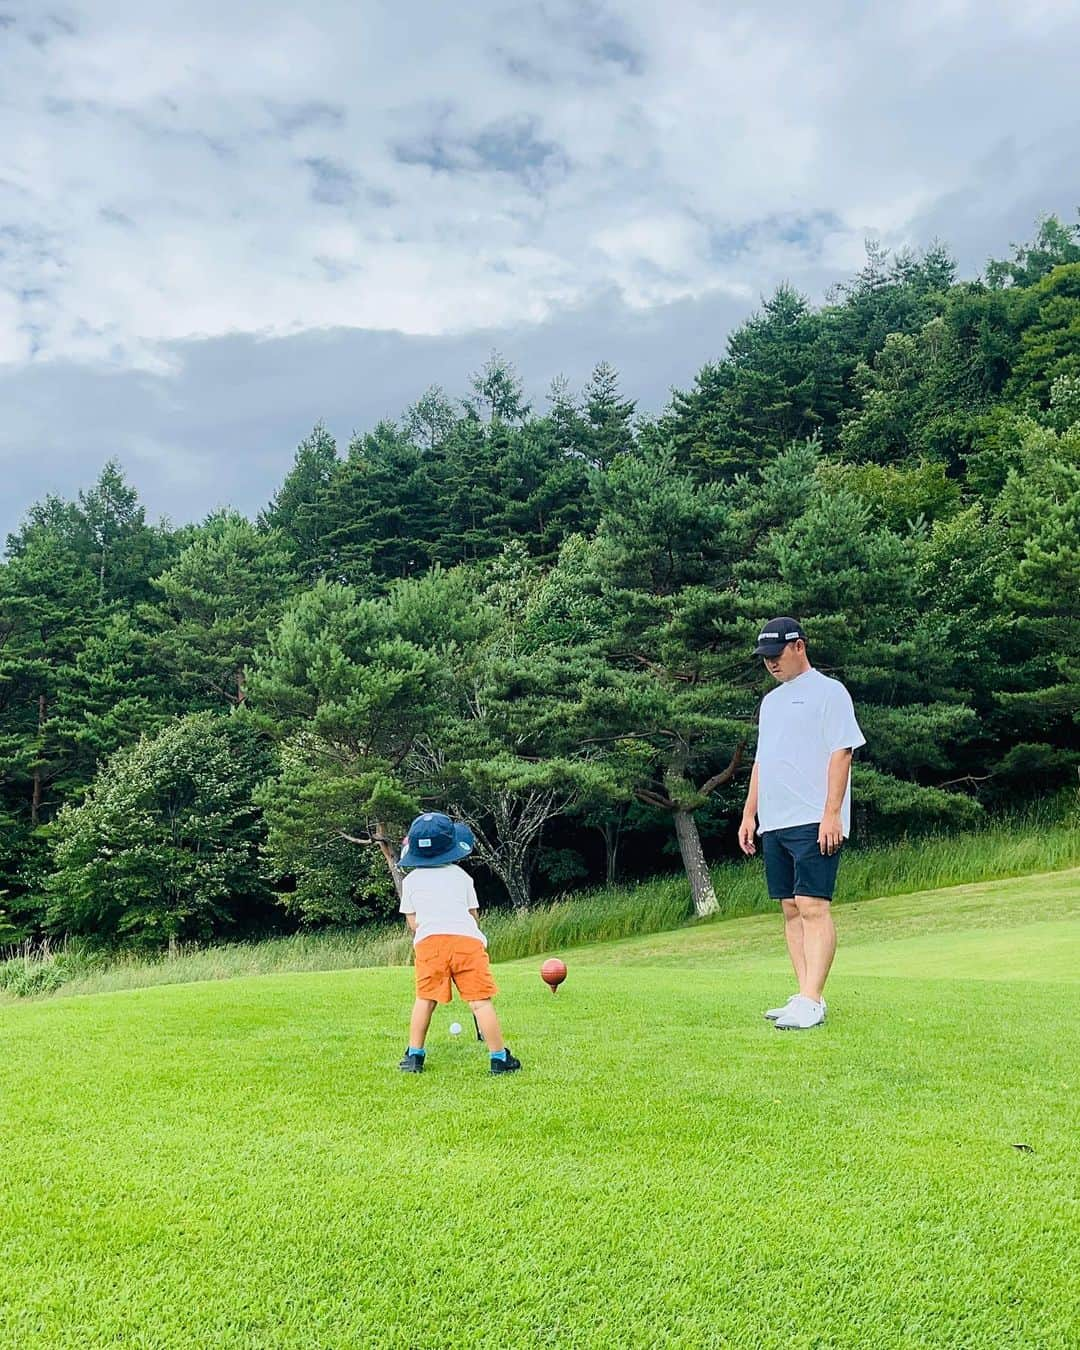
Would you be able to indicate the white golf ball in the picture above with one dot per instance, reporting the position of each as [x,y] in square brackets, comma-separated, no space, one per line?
[455,1028]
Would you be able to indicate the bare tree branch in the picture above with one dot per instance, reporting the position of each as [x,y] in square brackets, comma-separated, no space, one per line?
[966,778]
[725,775]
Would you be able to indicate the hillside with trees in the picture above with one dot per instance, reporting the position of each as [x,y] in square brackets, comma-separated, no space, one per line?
[541,618]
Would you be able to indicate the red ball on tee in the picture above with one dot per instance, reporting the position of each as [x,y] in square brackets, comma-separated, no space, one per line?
[553,972]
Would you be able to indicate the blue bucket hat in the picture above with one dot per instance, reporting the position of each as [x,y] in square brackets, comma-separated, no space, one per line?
[435,840]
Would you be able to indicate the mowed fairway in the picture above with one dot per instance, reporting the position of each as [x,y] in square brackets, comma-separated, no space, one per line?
[240,1164]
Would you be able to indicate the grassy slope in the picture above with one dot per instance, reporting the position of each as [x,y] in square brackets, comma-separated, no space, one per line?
[1042,840]
[237,1164]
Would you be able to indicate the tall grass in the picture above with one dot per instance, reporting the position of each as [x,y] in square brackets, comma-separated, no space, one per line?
[1038,841]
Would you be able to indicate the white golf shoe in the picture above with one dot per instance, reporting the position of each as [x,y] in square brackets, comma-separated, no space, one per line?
[774,1014]
[800,1015]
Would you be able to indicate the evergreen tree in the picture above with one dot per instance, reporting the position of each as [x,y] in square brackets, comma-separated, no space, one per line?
[47,604]
[777,384]
[383,511]
[854,587]
[296,509]
[662,545]
[1050,343]
[112,693]
[216,605]
[1039,512]
[608,416]
[354,683]
[115,523]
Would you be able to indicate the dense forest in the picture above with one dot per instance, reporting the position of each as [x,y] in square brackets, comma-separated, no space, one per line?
[542,618]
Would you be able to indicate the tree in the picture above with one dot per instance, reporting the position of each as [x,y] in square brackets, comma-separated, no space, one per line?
[898,498]
[296,509]
[853,584]
[608,416]
[314,838]
[354,683]
[112,693]
[508,760]
[500,396]
[47,604]
[1039,513]
[165,846]
[106,530]
[383,512]
[543,489]
[661,547]
[430,419]
[216,604]
[777,383]
[893,293]
[1055,244]
[112,511]
[1050,342]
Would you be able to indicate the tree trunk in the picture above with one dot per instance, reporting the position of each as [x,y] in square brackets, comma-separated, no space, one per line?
[611,829]
[35,797]
[387,850]
[513,872]
[701,887]
[174,947]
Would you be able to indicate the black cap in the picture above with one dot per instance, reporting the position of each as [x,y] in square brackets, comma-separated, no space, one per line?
[776,635]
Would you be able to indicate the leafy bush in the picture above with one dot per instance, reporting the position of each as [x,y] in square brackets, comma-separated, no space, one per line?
[165,844]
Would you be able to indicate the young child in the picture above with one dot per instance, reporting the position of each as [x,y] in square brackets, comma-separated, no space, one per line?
[438,899]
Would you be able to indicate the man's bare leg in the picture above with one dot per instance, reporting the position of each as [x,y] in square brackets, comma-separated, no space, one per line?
[793,935]
[818,943]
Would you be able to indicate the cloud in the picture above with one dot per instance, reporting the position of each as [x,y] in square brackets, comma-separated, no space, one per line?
[220,427]
[174,179]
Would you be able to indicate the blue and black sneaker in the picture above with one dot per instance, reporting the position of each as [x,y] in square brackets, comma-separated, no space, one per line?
[412,1063]
[506,1064]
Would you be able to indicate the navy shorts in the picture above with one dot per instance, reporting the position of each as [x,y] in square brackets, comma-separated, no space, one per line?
[795,864]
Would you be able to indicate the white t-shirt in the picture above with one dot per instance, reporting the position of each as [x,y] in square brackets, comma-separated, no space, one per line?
[441,898]
[800,724]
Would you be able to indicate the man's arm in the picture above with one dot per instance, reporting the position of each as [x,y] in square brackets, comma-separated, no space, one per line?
[749,813]
[831,831]
[410,919]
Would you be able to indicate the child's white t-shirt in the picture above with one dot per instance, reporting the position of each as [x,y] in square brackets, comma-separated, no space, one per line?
[441,898]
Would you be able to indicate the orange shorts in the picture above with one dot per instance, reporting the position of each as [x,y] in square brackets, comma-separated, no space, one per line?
[445,957]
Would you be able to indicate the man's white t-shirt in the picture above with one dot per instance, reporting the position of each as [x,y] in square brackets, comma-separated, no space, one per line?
[441,898]
[801,723]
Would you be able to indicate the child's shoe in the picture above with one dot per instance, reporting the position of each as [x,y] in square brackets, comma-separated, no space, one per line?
[412,1063]
[505,1065]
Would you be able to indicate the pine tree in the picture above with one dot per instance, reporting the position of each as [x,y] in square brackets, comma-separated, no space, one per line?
[383,512]
[662,546]
[216,605]
[609,417]
[297,507]
[354,683]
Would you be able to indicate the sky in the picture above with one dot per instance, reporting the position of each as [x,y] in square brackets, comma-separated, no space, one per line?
[220,224]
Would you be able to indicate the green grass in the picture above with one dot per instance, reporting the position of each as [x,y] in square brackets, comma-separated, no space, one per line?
[1044,839]
[238,1164]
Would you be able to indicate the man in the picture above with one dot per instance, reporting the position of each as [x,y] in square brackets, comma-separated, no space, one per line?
[800,794]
